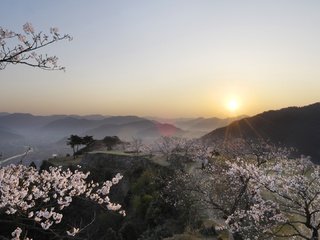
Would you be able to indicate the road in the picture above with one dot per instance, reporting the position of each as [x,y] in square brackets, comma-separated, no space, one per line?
[22,155]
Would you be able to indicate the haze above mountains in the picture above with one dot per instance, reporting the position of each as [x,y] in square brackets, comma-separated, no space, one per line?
[54,127]
[297,127]
[49,133]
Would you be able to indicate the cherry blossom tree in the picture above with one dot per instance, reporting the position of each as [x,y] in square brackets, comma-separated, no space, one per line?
[227,190]
[135,146]
[257,189]
[171,147]
[252,215]
[167,146]
[295,186]
[259,151]
[32,200]
[35,200]
[291,188]
[23,48]
[230,189]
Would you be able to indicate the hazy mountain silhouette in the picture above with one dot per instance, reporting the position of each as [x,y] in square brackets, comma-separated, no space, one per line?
[297,127]
[205,124]
[48,134]
[54,127]
[140,129]
[26,121]
[74,125]
[197,127]
[162,129]
[90,117]
[28,129]
[70,125]
[8,136]
[122,119]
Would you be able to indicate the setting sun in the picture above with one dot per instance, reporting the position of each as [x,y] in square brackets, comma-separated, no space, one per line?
[233,105]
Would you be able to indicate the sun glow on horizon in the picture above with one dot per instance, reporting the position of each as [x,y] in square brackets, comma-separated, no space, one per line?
[233,105]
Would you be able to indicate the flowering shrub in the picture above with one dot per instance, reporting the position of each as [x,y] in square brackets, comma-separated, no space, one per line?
[41,196]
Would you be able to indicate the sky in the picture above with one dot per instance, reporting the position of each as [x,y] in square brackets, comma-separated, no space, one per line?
[169,58]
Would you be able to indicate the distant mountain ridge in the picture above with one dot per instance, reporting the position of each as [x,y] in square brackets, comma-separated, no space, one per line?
[206,124]
[3,113]
[59,126]
[7,135]
[26,120]
[144,129]
[70,124]
[55,127]
[297,127]
[197,127]
[48,134]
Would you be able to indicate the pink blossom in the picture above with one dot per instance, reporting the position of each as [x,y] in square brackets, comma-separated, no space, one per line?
[28,28]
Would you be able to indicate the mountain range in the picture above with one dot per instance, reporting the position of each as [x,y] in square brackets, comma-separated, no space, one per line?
[197,127]
[297,127]
[17,126]
[53,128]
[48,134]
[9,135]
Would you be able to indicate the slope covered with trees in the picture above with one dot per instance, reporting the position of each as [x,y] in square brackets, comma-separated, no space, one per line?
[297,127]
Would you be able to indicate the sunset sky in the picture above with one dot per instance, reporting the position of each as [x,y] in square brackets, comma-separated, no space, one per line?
[168,58]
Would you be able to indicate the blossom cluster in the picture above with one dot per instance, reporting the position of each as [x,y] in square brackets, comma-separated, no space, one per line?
[25,191]
[16,234]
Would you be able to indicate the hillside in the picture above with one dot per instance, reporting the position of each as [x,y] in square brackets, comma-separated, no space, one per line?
[297,127]
[139,192]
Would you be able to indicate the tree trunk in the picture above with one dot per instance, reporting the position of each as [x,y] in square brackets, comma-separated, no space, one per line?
[315,234]
[74,152]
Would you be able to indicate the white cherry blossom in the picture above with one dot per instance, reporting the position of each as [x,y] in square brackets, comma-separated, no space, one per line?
[23,189]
